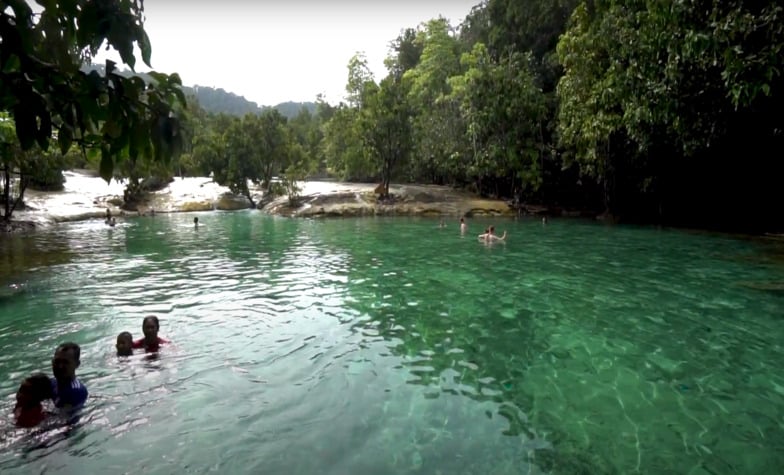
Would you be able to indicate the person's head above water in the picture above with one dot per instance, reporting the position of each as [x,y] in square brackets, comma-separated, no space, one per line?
[65,361]
[150,327]
[35,389]
[124,344]
[196,220]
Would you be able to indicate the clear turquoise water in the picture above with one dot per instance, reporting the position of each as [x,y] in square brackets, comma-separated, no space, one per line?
[385,346]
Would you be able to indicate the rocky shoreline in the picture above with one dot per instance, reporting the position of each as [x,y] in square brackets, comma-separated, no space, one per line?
[87,197]
[405,200]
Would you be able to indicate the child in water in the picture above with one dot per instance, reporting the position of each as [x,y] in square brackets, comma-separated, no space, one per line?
[124,344]
[33,390]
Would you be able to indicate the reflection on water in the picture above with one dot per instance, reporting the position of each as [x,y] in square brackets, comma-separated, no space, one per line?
[391,346]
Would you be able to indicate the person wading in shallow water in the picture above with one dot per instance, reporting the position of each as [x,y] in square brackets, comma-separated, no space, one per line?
[151,341]
[67,391]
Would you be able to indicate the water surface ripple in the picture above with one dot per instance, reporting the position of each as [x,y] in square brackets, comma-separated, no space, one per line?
[386,346]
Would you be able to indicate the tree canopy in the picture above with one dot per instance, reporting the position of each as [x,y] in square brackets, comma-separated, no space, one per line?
[49,97]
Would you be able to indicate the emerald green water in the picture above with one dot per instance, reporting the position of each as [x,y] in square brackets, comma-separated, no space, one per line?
[389,346]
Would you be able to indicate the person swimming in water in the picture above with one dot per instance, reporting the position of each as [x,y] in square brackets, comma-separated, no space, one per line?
[28,411]
[67,391]
[463,226]
[151,341]
[124,344]
[490,236]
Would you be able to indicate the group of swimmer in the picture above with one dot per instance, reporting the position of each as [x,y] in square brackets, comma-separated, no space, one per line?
[110,221]
[487,237]
[64,389]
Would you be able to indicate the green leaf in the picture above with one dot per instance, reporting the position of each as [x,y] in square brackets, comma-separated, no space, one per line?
[11,64]
[180,96]
[146,47]
[174,79]
[160,78]
[107,165]
[45,130]
[65,139]
[26,127]
[88,24]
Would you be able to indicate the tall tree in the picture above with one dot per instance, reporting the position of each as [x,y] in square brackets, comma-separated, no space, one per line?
[438,130]
[387,127]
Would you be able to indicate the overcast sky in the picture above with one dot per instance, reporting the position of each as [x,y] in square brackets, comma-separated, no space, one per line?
[271,51]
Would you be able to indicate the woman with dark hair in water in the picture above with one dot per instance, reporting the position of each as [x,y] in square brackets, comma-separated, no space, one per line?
[35,389]
[151,341]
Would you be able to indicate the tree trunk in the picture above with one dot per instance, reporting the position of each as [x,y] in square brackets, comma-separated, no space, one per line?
[7,193]
[23,181]
[246,191]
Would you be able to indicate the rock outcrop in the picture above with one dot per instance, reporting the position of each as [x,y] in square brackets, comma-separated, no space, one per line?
[405,200]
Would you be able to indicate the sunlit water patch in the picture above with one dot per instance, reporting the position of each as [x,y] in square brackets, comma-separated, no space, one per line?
[385,346]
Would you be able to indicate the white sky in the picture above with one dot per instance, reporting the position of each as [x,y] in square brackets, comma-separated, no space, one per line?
[275,51]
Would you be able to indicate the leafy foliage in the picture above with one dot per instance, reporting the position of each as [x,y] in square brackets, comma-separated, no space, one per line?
[41,83]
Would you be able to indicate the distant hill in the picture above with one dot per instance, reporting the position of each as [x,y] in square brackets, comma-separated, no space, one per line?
[220,101]
[291,109]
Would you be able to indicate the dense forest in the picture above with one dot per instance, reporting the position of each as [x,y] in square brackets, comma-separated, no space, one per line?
[664,113]
[658,112]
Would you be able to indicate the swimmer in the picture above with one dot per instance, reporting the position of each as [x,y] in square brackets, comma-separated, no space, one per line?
[67,391]
[463,226]
[35,389]
[124,344]
[112,222]
[196,222]
[492,237]
[151,341]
